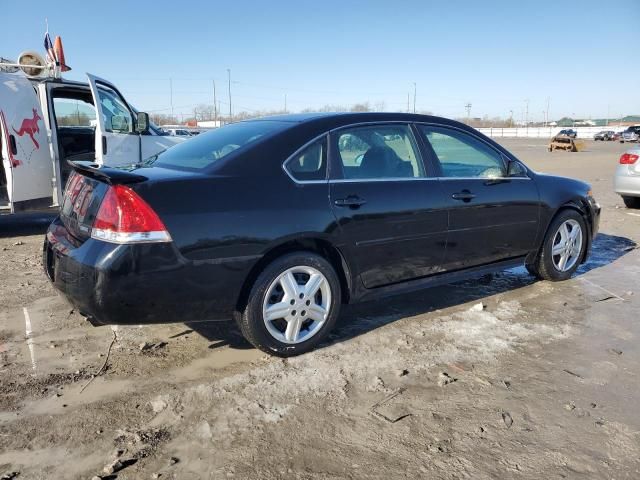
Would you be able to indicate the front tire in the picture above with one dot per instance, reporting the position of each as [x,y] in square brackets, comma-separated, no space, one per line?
[563,247]
[631,202]
[293,305]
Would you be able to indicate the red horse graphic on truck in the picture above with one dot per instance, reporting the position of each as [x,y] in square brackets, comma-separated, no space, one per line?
[30,127]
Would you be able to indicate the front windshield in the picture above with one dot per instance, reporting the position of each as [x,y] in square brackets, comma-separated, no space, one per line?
[204,150]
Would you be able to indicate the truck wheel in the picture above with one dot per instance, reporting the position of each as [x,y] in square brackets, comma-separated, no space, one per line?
[631,202]
[563,247]
[293,305]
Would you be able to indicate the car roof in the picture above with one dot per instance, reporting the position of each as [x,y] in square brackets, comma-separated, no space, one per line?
[330,120]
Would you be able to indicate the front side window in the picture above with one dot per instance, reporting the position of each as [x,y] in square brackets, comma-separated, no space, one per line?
[463,155]
[116,114]
[310,164]
[378,152]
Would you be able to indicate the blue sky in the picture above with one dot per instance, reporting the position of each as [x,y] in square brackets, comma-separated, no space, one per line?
[493,54]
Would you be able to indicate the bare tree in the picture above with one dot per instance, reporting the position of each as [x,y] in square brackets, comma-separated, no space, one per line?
[163,119]
[204,112]
[361,107]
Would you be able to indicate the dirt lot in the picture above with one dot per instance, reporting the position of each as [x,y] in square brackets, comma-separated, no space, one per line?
[541,383]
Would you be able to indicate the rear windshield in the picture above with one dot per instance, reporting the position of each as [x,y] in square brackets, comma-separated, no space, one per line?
[202,151]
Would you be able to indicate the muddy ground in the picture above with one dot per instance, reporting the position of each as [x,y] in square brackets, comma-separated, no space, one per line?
[501,377]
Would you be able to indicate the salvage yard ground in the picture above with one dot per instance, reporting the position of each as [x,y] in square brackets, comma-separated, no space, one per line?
[499,377]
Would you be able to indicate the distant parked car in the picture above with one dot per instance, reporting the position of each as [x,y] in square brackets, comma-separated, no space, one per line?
[568,132]
[605,135]
[626,182]
[631,134]
[179,132]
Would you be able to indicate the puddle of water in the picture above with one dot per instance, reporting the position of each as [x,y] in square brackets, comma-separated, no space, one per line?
[202,367]
[102,388]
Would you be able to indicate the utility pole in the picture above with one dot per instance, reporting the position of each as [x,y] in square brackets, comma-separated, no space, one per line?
[414,97]
[526,112]
[548,102]
[607,121]
[171,94]
[285,103]
[467,107]
[230,110]
[510,118]
[215,104]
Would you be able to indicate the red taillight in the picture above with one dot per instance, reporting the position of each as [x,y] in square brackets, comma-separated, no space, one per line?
[628,159]
[124,217]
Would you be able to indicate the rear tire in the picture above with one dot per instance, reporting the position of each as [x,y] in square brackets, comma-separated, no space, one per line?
[293,305]
[562,249]
[532,270]
[631,202]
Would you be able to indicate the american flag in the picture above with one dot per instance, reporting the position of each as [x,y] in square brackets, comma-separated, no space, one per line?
[48,46]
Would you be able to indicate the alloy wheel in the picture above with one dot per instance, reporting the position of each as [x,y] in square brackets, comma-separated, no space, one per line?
[567,245]
[297,304]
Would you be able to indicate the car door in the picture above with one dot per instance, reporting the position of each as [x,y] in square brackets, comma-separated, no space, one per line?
[116,142]
[492,216]
[26,157]
[391,216]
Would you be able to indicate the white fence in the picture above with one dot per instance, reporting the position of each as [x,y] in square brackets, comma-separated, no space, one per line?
[545,132]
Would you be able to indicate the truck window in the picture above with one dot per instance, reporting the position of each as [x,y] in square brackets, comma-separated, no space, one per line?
[74,112]
[118,118]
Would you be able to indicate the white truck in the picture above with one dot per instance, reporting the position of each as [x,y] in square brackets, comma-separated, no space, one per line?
[46,121]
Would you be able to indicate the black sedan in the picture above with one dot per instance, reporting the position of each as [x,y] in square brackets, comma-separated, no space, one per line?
[276,222]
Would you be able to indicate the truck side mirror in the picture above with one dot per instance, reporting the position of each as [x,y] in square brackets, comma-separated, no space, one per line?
[142,122]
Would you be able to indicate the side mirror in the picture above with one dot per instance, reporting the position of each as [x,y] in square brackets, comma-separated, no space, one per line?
[142,122]
[515,169]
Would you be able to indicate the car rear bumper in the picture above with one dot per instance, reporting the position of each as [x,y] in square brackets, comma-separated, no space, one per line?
[627,185]
[143,283]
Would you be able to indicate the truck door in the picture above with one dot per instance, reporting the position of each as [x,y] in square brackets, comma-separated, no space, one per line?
[26,157]
[117,142]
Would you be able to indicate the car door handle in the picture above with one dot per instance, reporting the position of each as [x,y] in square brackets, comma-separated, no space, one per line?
[464,195]
[352,201]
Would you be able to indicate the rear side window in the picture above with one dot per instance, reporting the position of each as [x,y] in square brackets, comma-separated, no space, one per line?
[462,155]
[379,152]
[204,150]
[310,164]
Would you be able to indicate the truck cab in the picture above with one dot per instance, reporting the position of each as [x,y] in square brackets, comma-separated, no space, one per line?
[47,122]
